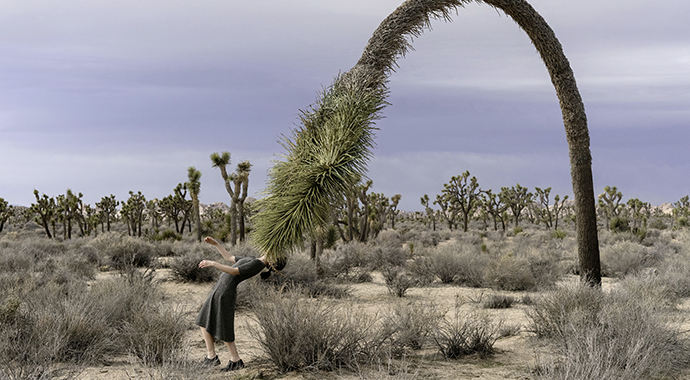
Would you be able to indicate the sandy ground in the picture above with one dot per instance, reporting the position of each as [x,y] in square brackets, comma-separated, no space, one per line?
[515,356]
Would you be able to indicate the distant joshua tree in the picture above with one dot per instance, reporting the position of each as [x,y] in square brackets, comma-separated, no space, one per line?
[108,209]
[46,209]
[610,203]
[194,186]
[6,212]
[236,185]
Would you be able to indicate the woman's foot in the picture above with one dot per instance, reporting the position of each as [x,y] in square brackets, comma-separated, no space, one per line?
[211,362]
[233,366]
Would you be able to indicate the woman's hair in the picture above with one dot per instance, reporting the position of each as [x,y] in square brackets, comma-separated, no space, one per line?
[277,266]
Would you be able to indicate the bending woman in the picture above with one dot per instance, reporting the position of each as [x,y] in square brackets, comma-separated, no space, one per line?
[217,316]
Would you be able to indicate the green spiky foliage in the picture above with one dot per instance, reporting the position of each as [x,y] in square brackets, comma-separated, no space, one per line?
[325,156]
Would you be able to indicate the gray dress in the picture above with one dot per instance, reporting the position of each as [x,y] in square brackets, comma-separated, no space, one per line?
[217,315]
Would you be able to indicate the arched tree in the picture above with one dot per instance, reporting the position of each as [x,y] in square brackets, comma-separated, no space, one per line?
[306,183]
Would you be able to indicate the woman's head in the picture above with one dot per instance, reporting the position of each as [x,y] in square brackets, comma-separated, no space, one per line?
[275,265]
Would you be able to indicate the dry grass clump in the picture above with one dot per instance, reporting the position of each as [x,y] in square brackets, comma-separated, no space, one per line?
[300,274]
[617,335]
[410,325]
[398,280]
[498,301]
[299,333]
[625,257]
[156,335]
[467,333]
[509,273]
[454,262]
[58,321]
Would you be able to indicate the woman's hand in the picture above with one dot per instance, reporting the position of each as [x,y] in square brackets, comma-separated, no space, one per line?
[206,263]
[210,240]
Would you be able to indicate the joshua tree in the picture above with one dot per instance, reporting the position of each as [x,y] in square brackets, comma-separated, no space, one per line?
[364,222]
[448,209]
[393,209]
[495,207]
[517,198]
[6,212]
[681,211]
[236,185]
[46,208]
[390,42]
[463,195]
[430,214]
[610,203]
[108,207]
[241,180]
[133,212]
[194,186]
[299,187]
[558,206]
[153,211]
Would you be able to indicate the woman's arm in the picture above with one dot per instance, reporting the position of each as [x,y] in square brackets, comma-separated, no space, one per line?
[220,249]
[224,268]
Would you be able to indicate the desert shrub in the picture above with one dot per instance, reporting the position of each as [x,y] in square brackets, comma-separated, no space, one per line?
[106,241]
[186,269]
[311,334]
[409,325]
[467,333]
[389,238]
[619,337]
[674,276]
[12,260]
[623,258]
[131,252]
[559,234]
[398,280]
[155,334]
[59,323]
[507,330]
[300,274]
[619,224]
[455,262]
[384,256]
[166,234]
[552,313]
[429,238]
[122,298]
[509,273]
[657,223]
[498,301]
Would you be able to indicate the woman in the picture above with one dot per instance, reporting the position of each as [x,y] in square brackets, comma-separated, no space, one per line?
[217,316]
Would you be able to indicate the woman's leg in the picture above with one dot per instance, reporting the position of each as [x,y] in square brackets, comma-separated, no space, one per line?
[234,356]
[210,346]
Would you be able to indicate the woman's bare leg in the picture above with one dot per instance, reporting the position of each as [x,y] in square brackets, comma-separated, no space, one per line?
[234,356]
[210,346]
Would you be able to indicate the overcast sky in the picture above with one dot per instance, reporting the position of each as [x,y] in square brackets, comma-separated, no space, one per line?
[104,97]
